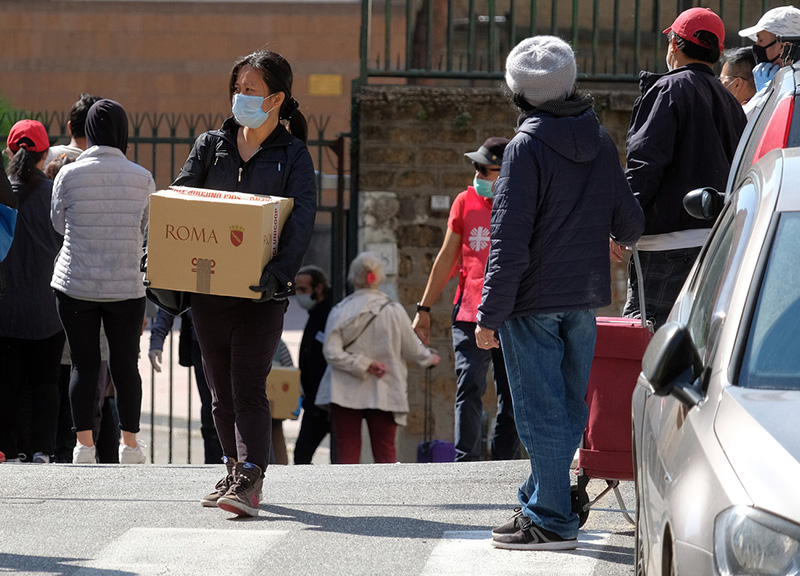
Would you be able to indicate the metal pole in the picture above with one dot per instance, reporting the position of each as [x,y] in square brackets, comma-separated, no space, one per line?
[339,230]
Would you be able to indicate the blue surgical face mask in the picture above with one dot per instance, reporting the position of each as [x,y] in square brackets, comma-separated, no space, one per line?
[483,187]
[247,110]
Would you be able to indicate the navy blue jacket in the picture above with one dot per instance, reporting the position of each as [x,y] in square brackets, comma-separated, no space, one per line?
[683,134]
[560,195]
[281,166]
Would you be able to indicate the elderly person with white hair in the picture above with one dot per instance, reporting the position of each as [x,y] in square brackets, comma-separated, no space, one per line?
[368,339]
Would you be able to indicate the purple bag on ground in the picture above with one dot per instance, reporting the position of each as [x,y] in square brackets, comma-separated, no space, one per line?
[433,450]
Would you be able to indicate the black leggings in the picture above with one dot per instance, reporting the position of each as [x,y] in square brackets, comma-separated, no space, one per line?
[122,321]
[238,339]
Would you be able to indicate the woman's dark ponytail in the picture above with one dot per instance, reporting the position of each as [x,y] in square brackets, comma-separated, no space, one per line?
[23,164]
[298,125]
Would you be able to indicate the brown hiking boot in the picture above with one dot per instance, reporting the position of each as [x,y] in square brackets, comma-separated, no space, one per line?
[210,500]
[244,495]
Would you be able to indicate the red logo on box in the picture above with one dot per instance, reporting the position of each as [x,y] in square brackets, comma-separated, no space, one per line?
[237,235]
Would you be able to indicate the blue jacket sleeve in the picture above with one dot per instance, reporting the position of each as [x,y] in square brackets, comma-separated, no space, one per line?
[160,328]
[650,142]
[513,215]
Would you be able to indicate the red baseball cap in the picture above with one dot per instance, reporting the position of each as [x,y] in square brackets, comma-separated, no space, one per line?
[691,21]
[34,131]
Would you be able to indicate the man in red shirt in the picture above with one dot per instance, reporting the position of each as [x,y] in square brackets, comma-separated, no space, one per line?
[464,252]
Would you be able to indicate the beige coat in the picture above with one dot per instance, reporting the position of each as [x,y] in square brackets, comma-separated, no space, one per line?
[388,339]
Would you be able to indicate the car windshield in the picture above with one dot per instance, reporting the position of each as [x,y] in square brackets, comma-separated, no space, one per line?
[772,355]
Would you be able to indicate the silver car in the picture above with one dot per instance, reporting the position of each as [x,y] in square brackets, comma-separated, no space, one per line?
[716,410]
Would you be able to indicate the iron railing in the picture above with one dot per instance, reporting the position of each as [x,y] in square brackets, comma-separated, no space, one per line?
[469,39]
[161,143]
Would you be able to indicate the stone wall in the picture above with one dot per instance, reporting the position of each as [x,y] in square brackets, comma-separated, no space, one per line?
[411,153]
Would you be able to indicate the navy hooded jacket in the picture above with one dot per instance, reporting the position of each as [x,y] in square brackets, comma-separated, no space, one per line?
[561,194]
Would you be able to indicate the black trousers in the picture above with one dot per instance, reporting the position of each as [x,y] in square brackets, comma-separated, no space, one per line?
[211,446]
[315,424]
[238,339]
[122,322]
[29,367]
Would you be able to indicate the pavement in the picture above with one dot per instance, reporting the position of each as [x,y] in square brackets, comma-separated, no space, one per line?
[409,519]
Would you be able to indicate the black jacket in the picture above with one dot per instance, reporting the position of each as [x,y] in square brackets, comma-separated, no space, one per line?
[560,195]
[281,166]
[683,134]
[28,303]
[311,360]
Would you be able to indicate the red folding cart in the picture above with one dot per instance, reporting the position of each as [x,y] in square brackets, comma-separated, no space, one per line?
[605,451]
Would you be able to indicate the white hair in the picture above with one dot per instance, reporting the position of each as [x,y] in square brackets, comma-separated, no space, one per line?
[361,266]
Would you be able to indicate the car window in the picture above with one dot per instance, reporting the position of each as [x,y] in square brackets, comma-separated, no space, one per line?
[772,352]
[707,282]
[717,274]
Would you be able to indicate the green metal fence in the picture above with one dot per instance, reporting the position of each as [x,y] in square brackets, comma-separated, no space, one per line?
[469,39]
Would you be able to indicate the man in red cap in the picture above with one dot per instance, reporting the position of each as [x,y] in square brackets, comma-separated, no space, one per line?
[683,134]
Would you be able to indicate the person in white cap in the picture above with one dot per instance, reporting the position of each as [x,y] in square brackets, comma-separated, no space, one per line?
[560,195]
[781,21]
[683,134]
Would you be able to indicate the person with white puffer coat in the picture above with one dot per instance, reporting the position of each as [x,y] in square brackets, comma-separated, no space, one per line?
[101,206]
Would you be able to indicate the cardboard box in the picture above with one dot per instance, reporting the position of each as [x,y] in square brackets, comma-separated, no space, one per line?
[212,242]
[283,392]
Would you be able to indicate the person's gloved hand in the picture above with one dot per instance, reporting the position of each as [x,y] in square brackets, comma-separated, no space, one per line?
[763,73]
[155,359]
[268,285]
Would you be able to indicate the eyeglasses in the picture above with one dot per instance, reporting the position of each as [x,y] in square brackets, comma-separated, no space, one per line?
[484,170]
[731,78]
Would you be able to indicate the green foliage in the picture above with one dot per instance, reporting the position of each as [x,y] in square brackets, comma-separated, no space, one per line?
[463,121]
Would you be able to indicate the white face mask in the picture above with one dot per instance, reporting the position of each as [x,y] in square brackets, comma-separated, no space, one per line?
[306,301]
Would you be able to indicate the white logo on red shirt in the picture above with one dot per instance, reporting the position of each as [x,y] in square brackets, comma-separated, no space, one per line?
[479,238]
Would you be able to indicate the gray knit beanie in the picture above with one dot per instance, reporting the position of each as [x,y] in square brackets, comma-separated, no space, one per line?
[541,68]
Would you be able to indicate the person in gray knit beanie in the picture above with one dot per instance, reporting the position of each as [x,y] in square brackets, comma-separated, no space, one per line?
[540,69]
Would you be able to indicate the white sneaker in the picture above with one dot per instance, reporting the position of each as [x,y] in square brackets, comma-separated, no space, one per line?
[41,458]
[128,455]
[84,454]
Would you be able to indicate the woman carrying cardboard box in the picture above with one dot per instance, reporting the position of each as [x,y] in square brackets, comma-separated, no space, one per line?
[253,153]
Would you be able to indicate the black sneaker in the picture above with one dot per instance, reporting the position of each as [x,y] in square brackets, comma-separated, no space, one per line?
[244,495]
[514,523]
[533,537]
[210,500]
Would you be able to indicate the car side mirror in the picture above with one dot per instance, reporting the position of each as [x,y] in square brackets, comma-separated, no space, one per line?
[671,364]
[704,203]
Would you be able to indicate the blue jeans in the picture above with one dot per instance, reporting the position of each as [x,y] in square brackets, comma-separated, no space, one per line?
[548,358]
[472,365]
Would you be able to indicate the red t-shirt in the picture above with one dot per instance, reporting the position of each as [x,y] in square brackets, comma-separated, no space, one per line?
[470,216]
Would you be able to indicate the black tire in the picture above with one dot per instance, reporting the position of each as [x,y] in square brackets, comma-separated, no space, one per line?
[579,499]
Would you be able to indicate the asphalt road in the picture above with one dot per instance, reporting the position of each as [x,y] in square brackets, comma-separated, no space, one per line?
[426,519]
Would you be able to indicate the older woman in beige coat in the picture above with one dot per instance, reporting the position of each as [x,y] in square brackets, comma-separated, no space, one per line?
[368,339]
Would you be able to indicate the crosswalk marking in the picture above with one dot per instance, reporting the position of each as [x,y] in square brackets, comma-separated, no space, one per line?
[183,551]
[471,552]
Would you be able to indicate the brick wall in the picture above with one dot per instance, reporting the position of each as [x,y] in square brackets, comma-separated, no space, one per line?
[412,142]
[174,56]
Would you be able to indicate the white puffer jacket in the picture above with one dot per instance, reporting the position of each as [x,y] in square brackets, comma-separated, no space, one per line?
[101,205]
